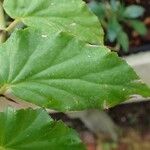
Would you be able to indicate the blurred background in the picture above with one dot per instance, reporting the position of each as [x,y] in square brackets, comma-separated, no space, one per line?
[126,23]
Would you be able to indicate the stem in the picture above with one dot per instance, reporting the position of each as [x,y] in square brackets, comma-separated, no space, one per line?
[9,99]
[3,89]
[13,25]
[2,24]
[117,47]
[2,36]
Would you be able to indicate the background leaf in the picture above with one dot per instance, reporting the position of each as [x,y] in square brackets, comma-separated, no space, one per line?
[114,5]
[123,40]
[114,28]
[72,16]
[34,129]
[139,27]
[63,73]
[134,11]
[97,8]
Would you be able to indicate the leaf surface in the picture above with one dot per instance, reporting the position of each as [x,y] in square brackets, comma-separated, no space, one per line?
[34,129]
[63,73]
[72,16]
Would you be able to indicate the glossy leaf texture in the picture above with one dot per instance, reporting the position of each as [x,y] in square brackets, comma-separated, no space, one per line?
[63,73]
[34,129]
[72,16]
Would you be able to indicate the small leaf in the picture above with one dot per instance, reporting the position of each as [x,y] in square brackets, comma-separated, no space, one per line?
[72,16]
[123,40]
[134,11]
[97,8]
[114,29]
[63,73]
[111,35]
[114,5]
[35,130]
[139,26]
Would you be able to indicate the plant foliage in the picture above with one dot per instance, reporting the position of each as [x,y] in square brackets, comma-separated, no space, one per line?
[64,73]
[54,64]
[114,15]
[34,129]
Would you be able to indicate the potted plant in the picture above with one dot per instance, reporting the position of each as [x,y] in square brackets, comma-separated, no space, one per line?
[52,55]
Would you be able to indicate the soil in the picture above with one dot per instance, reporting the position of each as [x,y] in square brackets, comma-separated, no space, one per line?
[134,115]
[133,120]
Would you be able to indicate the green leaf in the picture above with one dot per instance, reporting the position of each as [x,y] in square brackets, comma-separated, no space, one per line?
[114,28]
[114,5]
[134,11]
[139,26]
[60,72]
[97,8]
[72,16]
[35,130]
[123,40]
